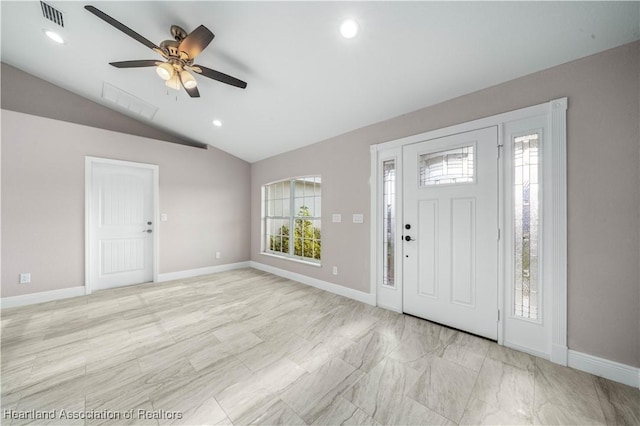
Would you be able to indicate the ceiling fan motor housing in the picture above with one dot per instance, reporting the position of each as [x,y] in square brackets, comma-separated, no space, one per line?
[171,48]
[178,33]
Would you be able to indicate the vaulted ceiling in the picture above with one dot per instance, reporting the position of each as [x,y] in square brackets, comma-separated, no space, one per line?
[305,81]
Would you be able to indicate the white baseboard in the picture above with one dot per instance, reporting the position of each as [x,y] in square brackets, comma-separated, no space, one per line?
[178,275]
[526,350]
[605,368]
[360,296]
[44,296]
[559,354]
[64,293]
[389,308]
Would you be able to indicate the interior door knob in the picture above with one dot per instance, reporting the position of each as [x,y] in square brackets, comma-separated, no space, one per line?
[408,238]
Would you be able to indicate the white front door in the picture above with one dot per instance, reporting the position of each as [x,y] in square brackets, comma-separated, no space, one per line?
[450,245]
[121,224]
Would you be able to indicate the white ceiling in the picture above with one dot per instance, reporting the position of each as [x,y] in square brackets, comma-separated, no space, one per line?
[305,82]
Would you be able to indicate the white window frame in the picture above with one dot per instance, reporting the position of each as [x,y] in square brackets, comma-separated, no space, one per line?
[553,208]
[291,218]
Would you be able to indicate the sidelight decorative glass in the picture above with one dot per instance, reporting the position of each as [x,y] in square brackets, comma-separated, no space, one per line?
[389,221]
[527,225]
[451,166]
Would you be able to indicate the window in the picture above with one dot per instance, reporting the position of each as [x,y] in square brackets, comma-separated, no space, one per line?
[526,225]
[389,221]
[293,204]
[451,166]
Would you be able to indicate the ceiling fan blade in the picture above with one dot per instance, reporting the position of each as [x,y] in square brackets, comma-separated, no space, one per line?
[128,31]
[217,75]
[193,92]
[136,64]
[196,42]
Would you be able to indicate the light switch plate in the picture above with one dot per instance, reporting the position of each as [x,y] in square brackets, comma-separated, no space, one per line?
[163,217]
[358,218]
[336,218]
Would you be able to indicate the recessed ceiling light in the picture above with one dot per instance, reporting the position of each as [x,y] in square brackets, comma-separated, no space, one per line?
[349,28]
[217,123]
[54,36]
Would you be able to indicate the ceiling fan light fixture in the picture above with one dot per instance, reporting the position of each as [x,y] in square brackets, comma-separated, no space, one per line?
[187,80]
[165,71]
[173,82]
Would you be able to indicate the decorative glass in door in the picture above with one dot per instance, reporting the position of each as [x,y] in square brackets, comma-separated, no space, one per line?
[450,166]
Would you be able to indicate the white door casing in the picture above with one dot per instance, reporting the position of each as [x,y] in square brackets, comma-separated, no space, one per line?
[450,263]
[121,200]
[550,118]
[530,334]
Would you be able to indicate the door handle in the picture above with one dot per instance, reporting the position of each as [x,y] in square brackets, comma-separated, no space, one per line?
[408,238]
[148,231]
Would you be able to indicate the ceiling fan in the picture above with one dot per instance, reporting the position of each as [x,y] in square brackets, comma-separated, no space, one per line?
[178,53]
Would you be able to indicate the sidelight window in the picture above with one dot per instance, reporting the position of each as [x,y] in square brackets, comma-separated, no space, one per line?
[389,221]
[526,225]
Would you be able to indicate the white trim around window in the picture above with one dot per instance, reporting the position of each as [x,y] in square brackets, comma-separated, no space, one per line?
[281,211]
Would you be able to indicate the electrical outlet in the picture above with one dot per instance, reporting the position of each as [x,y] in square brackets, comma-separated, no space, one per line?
[25,278]
[358,218]
[217,255]
[163,217]
[336,218]
[335,270]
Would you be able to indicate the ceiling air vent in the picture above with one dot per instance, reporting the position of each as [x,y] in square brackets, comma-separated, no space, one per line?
[52,14]
[127,101]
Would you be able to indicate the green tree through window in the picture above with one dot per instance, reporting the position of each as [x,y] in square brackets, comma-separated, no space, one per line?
[292,220]
[306,237]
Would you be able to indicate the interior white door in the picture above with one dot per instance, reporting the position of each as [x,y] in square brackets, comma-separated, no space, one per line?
[121,225]
[450,248]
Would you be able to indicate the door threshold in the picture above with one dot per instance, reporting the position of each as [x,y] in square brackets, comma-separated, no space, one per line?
[451,328]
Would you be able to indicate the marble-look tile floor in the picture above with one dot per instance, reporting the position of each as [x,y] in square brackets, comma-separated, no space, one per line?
[247,347]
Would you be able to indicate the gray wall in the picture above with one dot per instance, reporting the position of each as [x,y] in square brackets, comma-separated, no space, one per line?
[603,190]
[204,192]
[26,93]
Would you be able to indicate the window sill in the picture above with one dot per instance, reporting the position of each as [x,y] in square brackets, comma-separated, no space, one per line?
[292,259]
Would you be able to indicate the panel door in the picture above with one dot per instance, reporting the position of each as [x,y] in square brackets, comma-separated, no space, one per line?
[450,248]
[121,225]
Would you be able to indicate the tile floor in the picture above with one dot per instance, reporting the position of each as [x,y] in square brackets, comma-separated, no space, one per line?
[247,347]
